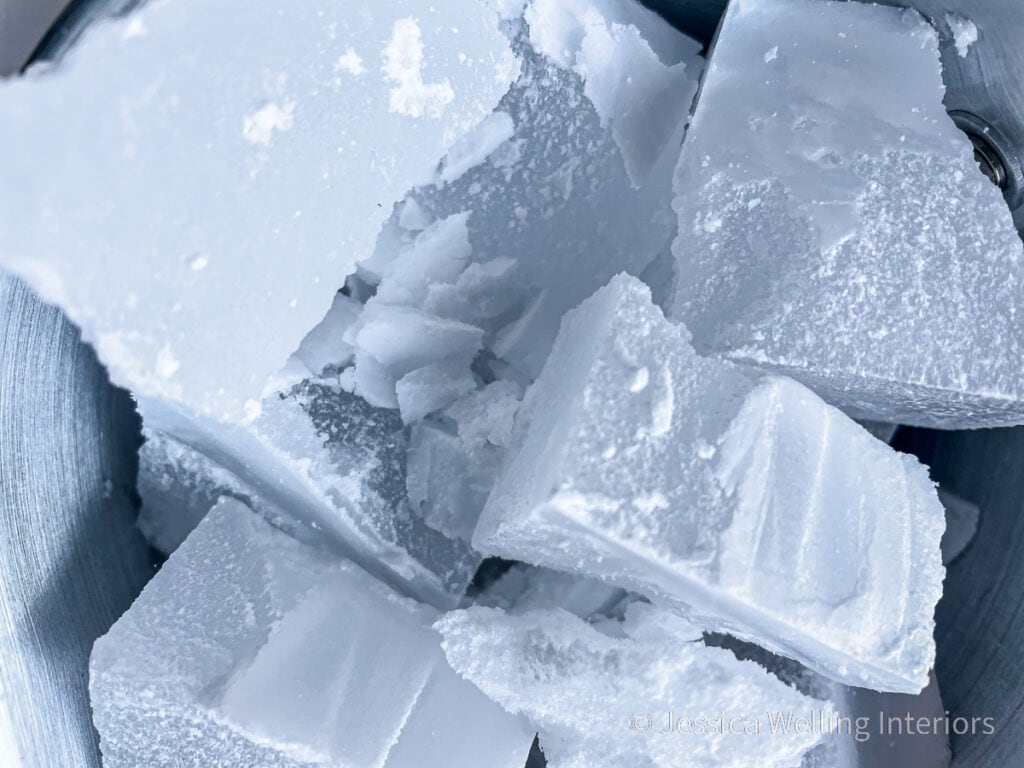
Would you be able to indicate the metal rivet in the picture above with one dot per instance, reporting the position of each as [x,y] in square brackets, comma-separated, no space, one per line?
[988,160]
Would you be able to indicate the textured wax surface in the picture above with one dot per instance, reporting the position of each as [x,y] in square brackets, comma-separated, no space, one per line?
[239,175]
[137,157]
[327,465]
[588,692]
[71,559]
[833,225]
[741,497]
[249,648]
[177,486]
[467,285]
[873,747]
[578,190]
[448,279]
[440,308]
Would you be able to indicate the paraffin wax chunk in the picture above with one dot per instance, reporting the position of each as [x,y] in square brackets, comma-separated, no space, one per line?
[249,648]
[834,226]
[739,498]
[192,185]
[604,700]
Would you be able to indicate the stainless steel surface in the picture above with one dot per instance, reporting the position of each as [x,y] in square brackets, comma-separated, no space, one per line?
[980,632]
[71,560]
[22,25]
[697,18]
[77,16]
[989,159]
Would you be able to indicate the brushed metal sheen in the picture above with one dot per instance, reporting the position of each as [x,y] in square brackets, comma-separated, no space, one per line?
[71,559]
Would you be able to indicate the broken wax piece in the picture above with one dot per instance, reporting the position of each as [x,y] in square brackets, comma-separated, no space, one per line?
[737,497]
[834,226]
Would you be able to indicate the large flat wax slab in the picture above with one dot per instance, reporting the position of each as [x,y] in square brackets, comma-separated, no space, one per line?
[192,184]
[834,226]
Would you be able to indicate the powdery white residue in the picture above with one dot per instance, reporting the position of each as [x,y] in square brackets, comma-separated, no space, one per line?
[253,409]
[403,66]
[640,380]
[772,54]
[579,506]
[705,450]
[507,9]
[664,406]
[650,502]
[477,145]
[133,28]
[166,363]
[260,126]
[965,33]
[350,62]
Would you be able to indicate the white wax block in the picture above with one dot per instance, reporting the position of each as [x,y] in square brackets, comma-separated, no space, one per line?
[482,293]
[447,706]
[371,380]
[523,342]
[738,497]
[248,648]
[393,340]
[559,29]
[325,344]
[834,226]
[961,525]
[438,255]
[431,388]
[487,414]
[582,189]
[448,480]
[476,146]
[864,730]
[603,702]
[326,463]
[643,93]
[217,174]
